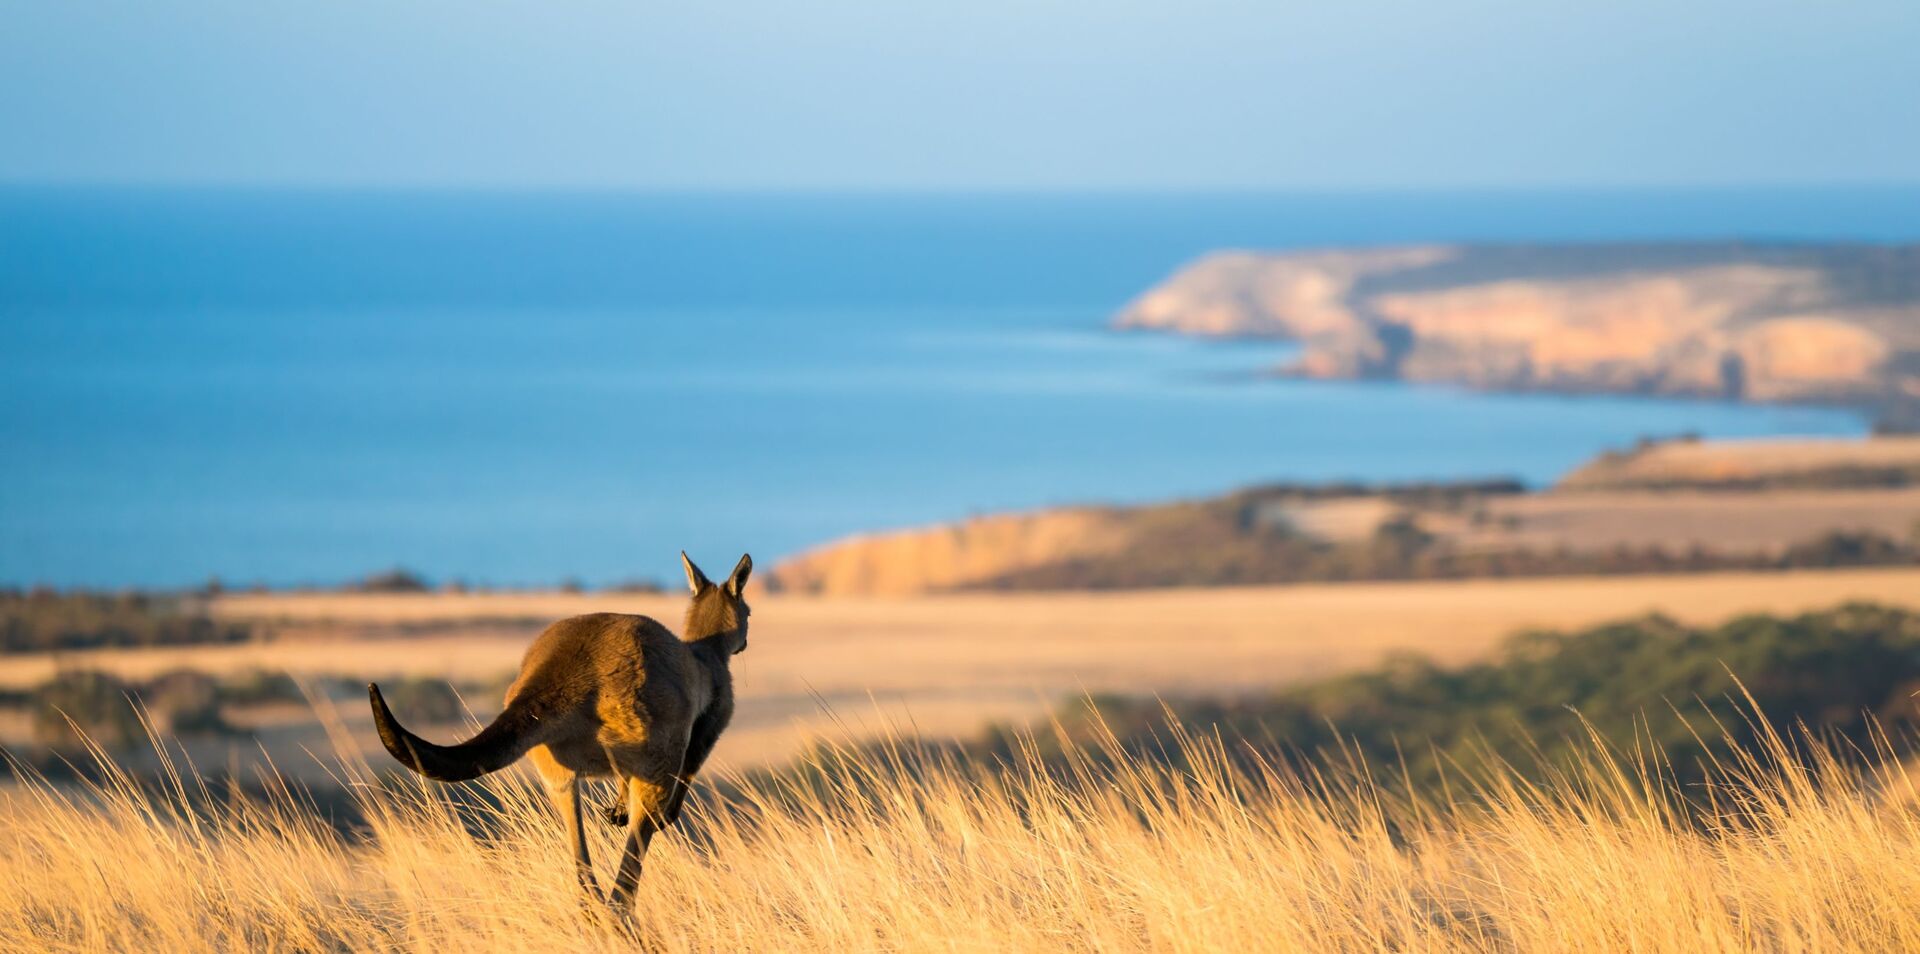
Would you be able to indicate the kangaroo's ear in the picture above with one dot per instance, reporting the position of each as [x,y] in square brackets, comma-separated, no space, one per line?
[737,581]
[696,580]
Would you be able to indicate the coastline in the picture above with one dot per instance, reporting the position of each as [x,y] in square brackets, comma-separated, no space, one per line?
[1831,325]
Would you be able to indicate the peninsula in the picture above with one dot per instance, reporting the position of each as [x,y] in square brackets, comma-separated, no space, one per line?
[1810,323]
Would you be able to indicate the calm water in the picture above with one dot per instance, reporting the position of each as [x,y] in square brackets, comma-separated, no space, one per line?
[512,389]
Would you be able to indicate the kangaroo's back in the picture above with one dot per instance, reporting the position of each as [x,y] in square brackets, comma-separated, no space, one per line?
[614,675]
[581,657]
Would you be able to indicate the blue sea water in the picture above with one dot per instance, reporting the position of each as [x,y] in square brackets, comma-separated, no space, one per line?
[516,388]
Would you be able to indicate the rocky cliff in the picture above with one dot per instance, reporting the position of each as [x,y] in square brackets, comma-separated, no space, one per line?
[953,556]
[1262,534]
[1673,506]
[1751,322]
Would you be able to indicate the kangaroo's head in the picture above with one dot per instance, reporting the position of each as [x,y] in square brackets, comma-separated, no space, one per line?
[718,611]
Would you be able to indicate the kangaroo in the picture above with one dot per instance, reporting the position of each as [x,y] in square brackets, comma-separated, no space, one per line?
[607,694]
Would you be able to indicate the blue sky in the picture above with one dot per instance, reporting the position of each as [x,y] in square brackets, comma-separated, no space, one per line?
[981,94]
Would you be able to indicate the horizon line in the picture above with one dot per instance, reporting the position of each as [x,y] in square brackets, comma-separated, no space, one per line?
[10,184]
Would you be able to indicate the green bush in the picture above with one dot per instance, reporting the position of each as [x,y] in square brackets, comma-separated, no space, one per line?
[419,699]
[42,620]
[107,709]
[185,702]
[256,686]
[85,701]
[1652,680]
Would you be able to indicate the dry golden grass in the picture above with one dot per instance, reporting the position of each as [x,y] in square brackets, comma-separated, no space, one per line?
[954,858]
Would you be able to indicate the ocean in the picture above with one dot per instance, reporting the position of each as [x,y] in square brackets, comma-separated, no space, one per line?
[510,389]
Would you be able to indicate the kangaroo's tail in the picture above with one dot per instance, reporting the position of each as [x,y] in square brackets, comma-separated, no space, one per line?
[497,746]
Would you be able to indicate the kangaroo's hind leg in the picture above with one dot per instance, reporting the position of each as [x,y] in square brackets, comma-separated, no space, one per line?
[649,787]
[617,814]
[706,732]
[563,787]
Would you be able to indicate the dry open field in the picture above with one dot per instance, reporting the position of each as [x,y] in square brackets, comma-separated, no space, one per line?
[1763,522]
[1725,461]
[1766,521]
[947,664]
[1128,856]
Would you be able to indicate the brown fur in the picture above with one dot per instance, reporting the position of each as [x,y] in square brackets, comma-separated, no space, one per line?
[608,694]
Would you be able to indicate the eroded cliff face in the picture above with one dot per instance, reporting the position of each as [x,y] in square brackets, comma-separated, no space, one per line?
[1763,323]
[951,556]
[1676,506]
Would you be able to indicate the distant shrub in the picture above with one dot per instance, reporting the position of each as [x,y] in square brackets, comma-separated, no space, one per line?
[185,702]
[42,620]
[418,699]
[1849,548]
[87,702]
[107,709]
[1646,680]
[396,580]
[256,686]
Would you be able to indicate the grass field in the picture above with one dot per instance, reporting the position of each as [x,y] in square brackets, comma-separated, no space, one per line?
[1761,522]
[1128,857]
[894,853]
[1725,461]
[947,664]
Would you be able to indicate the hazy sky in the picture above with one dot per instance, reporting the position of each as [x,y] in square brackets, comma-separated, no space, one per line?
[967,94]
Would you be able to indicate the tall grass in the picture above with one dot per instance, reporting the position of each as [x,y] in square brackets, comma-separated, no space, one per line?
[1789,848]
